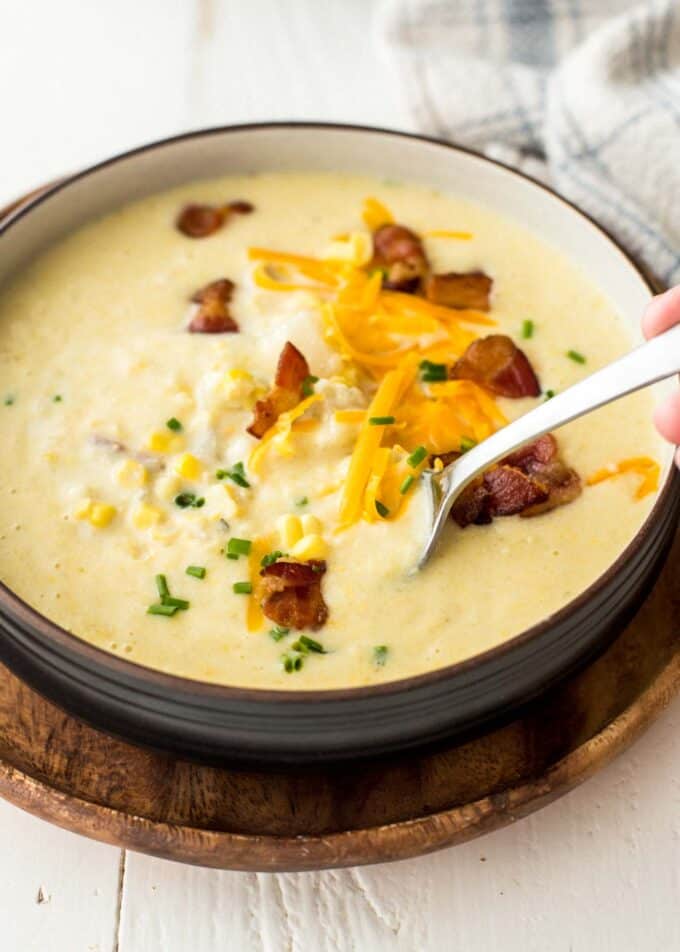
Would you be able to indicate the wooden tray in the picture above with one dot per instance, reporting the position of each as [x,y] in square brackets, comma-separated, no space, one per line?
[65,772]
[70,774]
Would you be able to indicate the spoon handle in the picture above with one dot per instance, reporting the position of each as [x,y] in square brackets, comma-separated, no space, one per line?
[645,365]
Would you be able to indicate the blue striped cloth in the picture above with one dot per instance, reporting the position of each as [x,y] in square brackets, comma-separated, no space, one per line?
[584,93]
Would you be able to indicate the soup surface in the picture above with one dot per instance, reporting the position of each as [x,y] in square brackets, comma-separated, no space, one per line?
[138,511]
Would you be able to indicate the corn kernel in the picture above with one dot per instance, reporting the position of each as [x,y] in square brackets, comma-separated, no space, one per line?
[310,524]
[231,507]
[310,546]
[168,486]
[189,467]
[146,516]
[101,514]
[82,509]
[98,514]
[164,442]
[290,530]
[131,474]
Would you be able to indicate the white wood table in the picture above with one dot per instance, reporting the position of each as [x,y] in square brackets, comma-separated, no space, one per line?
[598,870]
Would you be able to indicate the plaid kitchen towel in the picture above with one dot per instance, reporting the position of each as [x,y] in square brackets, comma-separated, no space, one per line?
[583,92]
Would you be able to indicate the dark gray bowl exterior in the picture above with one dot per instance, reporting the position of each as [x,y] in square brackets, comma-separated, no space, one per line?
[208,722]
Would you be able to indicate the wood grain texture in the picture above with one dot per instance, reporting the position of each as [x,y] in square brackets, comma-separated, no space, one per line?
[72,775]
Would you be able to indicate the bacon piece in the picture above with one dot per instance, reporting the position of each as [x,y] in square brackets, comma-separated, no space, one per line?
[400,251]
[512,491]
[292,594]
[563,483]
[291,372]
[531,481]
[472,505]
[201,221]
[241,208]
[213,315]
[471,289]
[496,363]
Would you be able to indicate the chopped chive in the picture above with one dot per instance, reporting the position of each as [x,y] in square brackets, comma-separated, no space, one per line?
[431,372]
[236,474]
[381,509]
[158,609]
[310,644]
[380,653]
[162,586]
[291,661]
[406,485]
[302,501]
[57,398]
[197,571]
[189,501]
[527,329]
[317,567]
[239,546]
[381,420]
[242,588]
[181,604]
[549,394]
[416,457]
[231,555]
[466,443]
[9,400]
[576,357]
[173,424]
[308,385]
[270,558]
[277,633]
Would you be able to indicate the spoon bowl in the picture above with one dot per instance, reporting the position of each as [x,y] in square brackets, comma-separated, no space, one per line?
[645,365]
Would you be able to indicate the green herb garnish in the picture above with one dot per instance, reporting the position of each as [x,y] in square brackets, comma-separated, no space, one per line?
[302,501]
[242,588]
[197,571]
[467,443]
[162,586]
[159,609]
[381,509]
[181,604]
[416,457]
[406,485]
[380,653]
[239,547]
[236,474]
[292,661]
[306,643]
[276,634]
[270,558]
[9,400]
[57,398]
[189,501]
[381,420]
[173,424]
[432,373]
[527,329]
[308,385]
[549,394]
[576,357]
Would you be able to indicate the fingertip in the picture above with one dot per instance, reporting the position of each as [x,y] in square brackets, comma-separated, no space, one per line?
[667,418]
[662,312]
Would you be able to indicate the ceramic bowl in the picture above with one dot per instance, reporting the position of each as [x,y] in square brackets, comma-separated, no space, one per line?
[211,722]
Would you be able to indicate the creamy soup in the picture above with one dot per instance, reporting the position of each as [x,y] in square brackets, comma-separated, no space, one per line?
[138,511]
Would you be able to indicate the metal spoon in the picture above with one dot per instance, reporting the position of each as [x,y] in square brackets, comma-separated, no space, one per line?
[647,364]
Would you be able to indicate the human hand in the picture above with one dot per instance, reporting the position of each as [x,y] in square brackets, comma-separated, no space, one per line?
[662,313]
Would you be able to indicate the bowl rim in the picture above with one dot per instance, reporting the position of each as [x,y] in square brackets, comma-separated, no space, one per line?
[86,652]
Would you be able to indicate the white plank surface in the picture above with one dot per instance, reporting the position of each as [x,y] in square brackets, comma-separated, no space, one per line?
[597,871]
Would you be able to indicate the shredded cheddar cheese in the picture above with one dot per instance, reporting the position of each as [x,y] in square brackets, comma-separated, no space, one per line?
[375,214]
[280,433]
[643,466]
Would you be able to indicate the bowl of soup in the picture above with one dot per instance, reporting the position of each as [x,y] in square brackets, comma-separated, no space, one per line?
[226,360]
